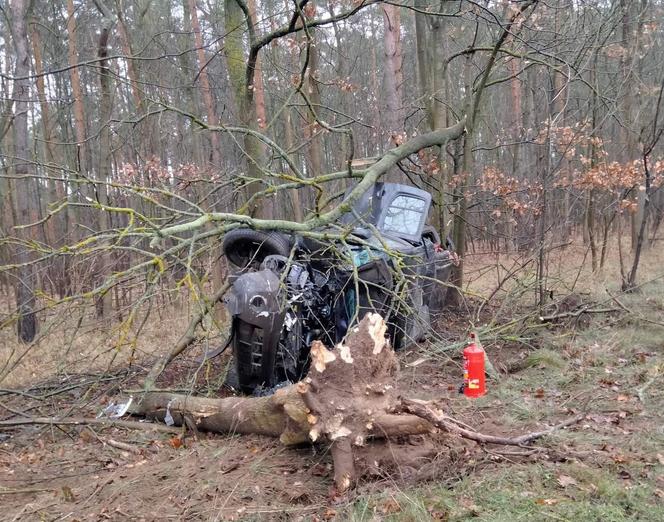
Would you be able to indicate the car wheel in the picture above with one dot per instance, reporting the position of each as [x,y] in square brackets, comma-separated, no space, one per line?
[245,247]
[232,380]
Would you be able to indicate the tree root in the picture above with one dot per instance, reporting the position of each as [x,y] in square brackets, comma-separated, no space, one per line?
[444,422]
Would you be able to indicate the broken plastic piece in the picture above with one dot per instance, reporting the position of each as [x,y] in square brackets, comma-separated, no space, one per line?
[289,321]
[115,411]
[168,418]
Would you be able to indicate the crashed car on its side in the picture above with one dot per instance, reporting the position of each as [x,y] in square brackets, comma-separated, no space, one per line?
[290,290]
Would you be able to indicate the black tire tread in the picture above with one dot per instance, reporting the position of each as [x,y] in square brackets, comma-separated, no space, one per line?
[268,242]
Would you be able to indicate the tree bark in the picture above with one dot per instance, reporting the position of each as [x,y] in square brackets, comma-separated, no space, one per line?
[259,88]
[242,80]
[206,91]
[24,170]
[393,74]
[295,199]
[125,42]
[590,227]
[431,48]
[56,226]
[312,130]
[79,111]
[104,302]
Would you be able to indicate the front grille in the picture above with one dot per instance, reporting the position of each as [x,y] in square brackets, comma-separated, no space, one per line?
[249,349]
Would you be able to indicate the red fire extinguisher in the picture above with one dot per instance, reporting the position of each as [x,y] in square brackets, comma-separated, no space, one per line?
[474,380]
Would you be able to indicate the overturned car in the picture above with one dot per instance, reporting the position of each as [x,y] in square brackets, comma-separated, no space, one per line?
[288,291]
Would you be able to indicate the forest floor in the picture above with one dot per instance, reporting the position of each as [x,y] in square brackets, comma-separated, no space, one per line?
[609,467]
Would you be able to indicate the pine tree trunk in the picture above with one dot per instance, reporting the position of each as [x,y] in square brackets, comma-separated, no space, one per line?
[206,91]
[79,111]
[392,74]
[24,170]
[104,301]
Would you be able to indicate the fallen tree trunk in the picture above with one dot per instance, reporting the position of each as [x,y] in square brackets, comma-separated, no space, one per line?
[348,397]
[283,414]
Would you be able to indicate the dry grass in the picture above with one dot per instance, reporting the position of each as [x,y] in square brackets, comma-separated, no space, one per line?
[569,270]
[72,340]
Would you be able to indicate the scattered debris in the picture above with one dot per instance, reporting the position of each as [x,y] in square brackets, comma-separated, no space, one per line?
[116,411]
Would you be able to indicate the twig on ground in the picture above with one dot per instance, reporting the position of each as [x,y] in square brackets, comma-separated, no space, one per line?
[632,312]
[122,446]
[21,491]
[81,421]
[57,390]
[508,453]
[655,374]
[577,313]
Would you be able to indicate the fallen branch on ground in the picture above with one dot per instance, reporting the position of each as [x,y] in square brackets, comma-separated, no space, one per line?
[576,313]
[124,446]
[654,373]
[81,421]
[440,420]
[632,312]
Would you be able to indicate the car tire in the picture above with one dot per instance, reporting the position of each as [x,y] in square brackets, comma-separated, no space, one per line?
[244,247]
[232,380]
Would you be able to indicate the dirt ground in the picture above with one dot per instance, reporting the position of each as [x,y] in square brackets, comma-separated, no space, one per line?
[77,472]
[608,467]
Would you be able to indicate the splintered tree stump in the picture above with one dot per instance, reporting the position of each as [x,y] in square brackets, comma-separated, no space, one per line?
[347,397]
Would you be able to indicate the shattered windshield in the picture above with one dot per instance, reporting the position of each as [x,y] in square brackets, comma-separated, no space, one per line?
[404,215]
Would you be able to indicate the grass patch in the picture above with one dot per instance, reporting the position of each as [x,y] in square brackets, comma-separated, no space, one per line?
[545,358]
[530,492]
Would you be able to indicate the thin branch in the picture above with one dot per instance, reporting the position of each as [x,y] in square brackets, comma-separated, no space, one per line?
[82,421]
[444,422]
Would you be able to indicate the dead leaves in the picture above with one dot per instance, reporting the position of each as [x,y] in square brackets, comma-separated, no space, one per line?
[547,501]
[68,494]
[176,442]
[299,494]
[619,458]
[389,507]
[328,514]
